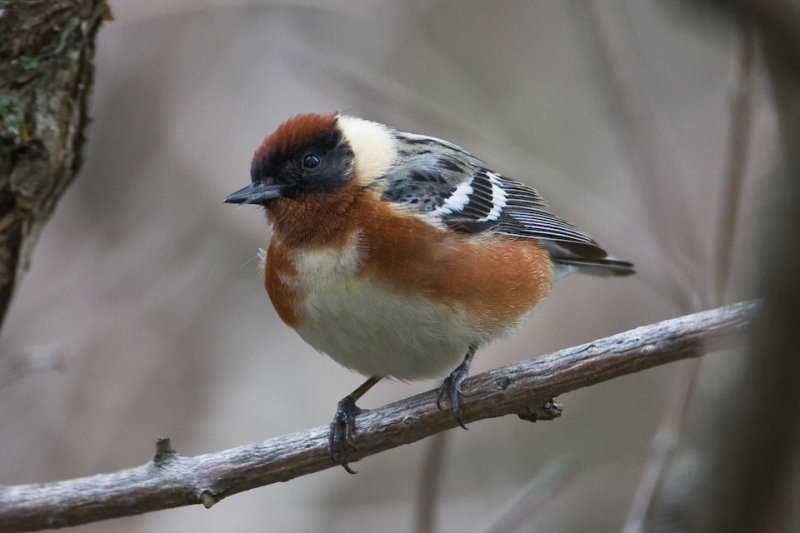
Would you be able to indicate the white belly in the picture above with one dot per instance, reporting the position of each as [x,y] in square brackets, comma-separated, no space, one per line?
[369,327]
[375,331]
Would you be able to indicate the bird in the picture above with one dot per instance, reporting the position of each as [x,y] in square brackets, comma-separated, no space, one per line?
[399,255]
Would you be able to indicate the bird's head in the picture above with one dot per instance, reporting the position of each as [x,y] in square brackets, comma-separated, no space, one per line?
[306,154]
[315,153]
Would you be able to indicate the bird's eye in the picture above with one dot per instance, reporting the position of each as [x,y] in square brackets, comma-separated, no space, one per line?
[311,161]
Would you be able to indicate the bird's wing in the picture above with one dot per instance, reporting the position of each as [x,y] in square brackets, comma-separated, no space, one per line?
[455,190]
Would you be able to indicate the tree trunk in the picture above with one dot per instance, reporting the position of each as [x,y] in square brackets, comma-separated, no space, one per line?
[46,70]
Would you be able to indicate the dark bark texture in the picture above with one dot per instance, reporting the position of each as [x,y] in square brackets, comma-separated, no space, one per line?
[46,55]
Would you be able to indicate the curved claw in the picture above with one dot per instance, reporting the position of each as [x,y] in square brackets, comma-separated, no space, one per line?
[342,431]
[451,387]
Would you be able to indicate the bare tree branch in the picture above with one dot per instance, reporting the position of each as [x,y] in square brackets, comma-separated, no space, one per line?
[171,480]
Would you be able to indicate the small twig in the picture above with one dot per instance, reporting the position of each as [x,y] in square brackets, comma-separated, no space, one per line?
[174,480]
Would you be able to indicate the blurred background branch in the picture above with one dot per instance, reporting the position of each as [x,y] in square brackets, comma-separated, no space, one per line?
[676,409]
[655,176]
[172,481]
[744,451]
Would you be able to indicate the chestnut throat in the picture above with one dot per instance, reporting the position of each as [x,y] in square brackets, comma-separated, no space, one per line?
[312,219]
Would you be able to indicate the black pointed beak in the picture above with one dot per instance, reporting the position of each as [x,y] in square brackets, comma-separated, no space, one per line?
[256,193]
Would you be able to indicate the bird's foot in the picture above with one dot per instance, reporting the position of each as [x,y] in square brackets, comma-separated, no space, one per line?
[342,429]
[451,388]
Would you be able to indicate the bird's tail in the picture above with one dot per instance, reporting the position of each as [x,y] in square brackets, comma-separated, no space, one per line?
[602,266]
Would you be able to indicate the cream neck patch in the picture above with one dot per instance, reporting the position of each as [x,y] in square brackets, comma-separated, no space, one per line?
[324,266]
[373,144]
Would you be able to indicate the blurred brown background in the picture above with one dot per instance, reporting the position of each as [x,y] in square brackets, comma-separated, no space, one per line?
[144,293]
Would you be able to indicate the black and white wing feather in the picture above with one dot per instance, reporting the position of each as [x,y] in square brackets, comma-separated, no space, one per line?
[456,190]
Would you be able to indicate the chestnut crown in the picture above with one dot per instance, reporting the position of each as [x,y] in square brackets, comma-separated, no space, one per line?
[306,154]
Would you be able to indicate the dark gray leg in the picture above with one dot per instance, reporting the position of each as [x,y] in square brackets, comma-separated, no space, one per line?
[451,387]
[343,424]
